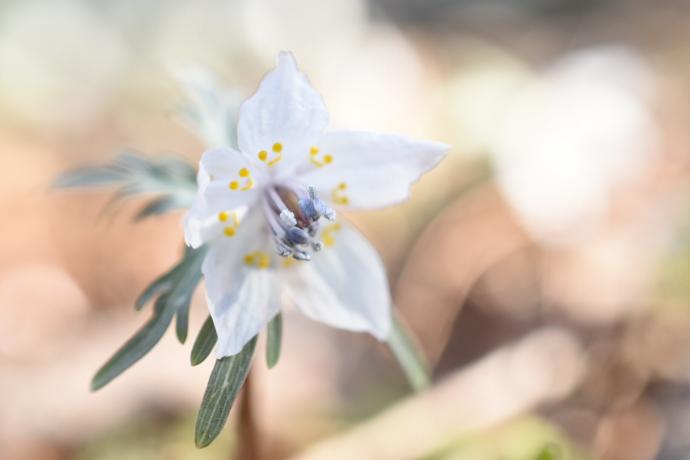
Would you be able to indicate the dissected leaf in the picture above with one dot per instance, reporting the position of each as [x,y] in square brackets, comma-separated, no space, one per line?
[408,354]
[174,290]
[137,347]
[170,177]
[225,382]
[186,278]
[273,340]
[210,111]
[131,161]
[179,280]
[204,343]
[161,284]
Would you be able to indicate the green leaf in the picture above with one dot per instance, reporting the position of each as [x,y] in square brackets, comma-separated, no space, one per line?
[182,324]
[181,279]
[88,177]
[204,343]
[225,382]
[409,355]
[161,284]
[174,289]
[170,177]
[129,160]
[137,347]
[186,278]
[158,206]
[273,340]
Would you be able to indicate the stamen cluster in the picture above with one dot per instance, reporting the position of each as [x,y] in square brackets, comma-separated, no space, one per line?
[293,216]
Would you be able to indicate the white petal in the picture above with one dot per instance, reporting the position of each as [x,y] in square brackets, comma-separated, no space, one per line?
[241,300]
[249,304]
[344,285]
[217,168]
[377,169]
[196,221]
[200,224]
[285,109]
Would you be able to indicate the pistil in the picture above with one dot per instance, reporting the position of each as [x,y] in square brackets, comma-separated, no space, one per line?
[293,215]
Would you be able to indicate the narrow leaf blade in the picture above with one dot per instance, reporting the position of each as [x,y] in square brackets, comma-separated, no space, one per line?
[186,278]
[182,323]
[273,340]
[172,178]
[159,285]
[227,378]
[160,205]
[135,348]
[89,177]
[409,355]
[204,343]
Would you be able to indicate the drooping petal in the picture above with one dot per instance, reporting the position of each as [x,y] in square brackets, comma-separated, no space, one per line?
[241,299]
[368,170]
[344,285]
[227,184]
[248,306]
[285,110]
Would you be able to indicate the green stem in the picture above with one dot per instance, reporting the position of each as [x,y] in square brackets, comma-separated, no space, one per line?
[407,351]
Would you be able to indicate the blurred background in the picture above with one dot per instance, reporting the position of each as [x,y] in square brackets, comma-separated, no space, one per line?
[544,265]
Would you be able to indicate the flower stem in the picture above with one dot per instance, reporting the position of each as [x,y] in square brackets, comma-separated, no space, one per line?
[410,357]
[248,438]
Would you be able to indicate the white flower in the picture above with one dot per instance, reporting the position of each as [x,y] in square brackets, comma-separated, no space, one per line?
[259,210]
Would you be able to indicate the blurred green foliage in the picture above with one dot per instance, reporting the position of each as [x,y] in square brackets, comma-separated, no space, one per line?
[155,438]
[527,438]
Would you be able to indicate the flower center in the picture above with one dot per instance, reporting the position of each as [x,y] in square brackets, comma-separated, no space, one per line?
[293,215]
